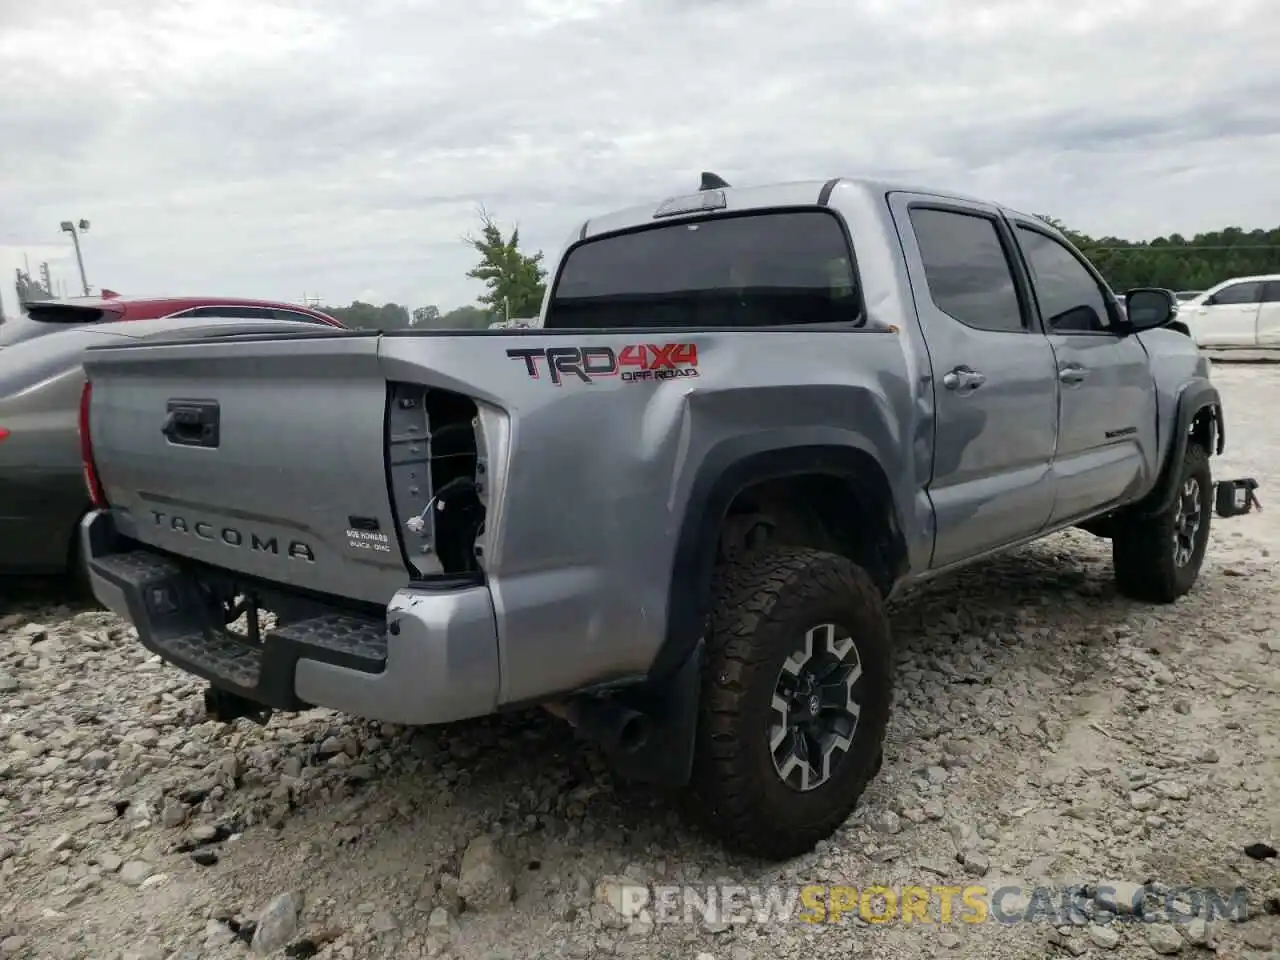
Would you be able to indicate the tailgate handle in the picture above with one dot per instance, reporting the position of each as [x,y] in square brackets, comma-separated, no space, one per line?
[192,423]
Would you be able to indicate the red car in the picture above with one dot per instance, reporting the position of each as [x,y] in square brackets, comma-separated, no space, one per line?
[44,316]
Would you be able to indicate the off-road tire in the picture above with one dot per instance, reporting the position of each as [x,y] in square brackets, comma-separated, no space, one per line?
[764,605]
[1142,548]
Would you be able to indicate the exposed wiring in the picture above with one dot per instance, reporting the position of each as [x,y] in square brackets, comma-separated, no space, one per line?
[418,524]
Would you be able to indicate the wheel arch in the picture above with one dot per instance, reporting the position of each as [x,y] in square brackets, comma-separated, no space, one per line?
[745,464]
[1198,419]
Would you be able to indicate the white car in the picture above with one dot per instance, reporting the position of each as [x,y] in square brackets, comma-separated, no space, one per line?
[1243,312]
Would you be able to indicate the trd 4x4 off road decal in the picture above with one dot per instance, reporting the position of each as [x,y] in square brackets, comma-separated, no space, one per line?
[634,363]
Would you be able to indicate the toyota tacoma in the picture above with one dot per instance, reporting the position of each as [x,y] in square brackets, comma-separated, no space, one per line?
[672,510]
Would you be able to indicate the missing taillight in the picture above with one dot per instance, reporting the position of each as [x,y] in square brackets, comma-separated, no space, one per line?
[433,475]
[92,484]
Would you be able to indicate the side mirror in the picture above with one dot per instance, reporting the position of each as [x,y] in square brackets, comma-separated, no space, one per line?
[1148,308]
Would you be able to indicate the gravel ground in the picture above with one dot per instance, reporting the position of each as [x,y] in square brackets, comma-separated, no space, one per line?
[1047,732]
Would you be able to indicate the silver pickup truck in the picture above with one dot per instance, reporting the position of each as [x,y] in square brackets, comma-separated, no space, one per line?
[672,511]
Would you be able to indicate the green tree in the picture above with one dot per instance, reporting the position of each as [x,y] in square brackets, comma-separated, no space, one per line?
[1179,262]
[467,317]
[365,316]
[428,316]
[515,280]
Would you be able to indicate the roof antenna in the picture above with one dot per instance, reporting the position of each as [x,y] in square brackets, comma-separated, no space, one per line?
[711,181]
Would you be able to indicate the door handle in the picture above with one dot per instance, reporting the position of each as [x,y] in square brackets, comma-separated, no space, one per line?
[1072,374]
[192,423]
[962,378]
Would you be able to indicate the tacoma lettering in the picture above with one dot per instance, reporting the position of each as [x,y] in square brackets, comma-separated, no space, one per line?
[231,537]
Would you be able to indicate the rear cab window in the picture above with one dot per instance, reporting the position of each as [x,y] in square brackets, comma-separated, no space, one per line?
[767,269]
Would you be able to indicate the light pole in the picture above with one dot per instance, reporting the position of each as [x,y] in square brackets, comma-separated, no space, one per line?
[69,227]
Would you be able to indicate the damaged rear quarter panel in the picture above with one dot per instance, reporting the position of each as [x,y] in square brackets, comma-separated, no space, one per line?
[589,482]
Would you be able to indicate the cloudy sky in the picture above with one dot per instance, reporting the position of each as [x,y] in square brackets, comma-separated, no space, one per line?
[278,148]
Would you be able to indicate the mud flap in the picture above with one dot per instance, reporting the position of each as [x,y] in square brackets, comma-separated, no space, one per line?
[666,760]
[1233,498]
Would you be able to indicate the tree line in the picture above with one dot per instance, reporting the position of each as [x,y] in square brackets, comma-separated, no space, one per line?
[1177,262]
[515,281]
[514,285]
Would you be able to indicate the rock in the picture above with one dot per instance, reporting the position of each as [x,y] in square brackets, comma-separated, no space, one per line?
[1260,851]
[278,922]
[109,862]
[60,842]
[1067,944]
[976,862]
[485,879]
[217,934]
[1257,936]
[886,822]
[1197,932]
[1142,800]
[143,738]
[135,872]
[383,922]
[174,814]
[1103,937]
[1164,939]
[8,684]
[618,901]
[144,951]
[442,921]
[949,940]
[203,833]
[1120,897]
[1172,790]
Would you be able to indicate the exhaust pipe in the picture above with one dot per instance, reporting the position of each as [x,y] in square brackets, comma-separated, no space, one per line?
[616,728]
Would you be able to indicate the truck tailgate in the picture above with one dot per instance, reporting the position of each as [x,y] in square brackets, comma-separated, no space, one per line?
[261,455]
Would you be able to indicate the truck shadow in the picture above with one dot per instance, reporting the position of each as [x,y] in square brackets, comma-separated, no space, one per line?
[43,596]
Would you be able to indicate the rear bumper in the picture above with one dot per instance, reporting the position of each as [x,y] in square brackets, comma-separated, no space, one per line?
[433,658]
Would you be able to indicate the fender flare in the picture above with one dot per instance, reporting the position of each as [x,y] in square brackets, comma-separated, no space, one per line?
[1195,397]
[728,469]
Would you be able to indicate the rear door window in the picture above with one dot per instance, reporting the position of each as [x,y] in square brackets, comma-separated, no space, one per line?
[967,269]
[757,270]
[1237,293]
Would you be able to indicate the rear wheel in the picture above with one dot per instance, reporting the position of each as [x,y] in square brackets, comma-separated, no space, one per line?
[1158,559]
[795,701]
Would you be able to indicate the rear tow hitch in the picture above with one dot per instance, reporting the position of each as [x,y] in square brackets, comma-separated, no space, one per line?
[225,707]
[1233,498]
